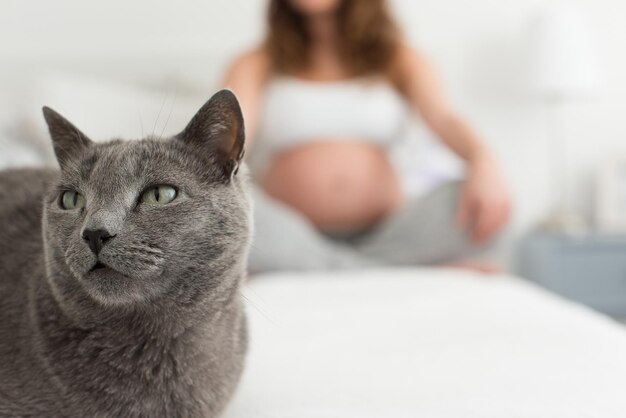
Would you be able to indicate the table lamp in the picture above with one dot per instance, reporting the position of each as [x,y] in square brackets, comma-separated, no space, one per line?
[563,68]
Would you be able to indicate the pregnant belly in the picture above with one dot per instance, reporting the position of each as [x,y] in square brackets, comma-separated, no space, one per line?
[340,185]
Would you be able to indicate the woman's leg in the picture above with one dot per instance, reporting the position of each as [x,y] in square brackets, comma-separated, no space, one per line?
[424,231]
[285,240]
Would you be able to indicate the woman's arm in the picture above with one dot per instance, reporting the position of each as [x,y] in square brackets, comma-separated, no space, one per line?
[485,204]
[247,76]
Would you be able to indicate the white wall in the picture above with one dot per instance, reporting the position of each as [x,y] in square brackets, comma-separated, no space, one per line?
[119,27]
[477,45]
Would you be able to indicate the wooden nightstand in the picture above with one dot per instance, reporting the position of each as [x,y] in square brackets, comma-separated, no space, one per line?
[590,269]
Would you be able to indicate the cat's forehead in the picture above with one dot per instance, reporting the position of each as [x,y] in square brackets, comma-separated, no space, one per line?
[128,158]
[123,163]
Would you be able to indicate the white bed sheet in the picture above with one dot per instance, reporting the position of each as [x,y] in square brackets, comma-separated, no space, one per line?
[425,343]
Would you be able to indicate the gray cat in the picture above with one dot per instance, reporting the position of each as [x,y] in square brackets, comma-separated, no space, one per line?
[120,275]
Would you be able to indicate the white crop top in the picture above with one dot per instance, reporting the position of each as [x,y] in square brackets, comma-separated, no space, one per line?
[295,112]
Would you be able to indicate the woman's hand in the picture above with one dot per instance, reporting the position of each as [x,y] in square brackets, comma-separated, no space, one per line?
[485,204]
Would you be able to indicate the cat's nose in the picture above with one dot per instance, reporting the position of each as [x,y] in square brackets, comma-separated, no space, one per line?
[96,238]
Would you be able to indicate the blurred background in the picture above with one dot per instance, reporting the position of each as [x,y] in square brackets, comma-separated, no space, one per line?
[121,68]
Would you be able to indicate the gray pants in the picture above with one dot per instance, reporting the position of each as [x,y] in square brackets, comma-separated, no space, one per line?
[423,232]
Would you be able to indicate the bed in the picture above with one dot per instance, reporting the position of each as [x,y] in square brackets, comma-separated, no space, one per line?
[380,343]
[425,343]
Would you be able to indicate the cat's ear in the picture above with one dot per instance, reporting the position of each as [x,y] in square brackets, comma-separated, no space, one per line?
[67,140]
[218,129]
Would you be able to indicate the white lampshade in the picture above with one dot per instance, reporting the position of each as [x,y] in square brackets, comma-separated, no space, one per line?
[563,59]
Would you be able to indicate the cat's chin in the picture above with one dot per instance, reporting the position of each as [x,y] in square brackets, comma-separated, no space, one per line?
[100,269]
[110,287]
[102,272]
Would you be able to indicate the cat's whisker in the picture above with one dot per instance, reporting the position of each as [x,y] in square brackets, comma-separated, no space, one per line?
[140,122]
[246,289]
[170,113]
[159,115]
[155,251]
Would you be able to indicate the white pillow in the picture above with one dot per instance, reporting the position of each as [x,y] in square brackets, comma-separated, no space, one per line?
[103,109]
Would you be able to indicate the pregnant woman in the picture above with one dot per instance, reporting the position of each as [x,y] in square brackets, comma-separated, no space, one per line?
[324,97]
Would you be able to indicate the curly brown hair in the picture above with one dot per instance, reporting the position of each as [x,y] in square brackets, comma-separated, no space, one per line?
[368,37]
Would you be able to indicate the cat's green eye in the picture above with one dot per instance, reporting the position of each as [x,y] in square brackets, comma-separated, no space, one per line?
[71,199]
[159,195]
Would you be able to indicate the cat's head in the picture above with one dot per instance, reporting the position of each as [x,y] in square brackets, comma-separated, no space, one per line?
[134,221]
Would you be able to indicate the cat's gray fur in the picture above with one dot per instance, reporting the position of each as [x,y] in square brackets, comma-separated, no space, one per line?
[164,334]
